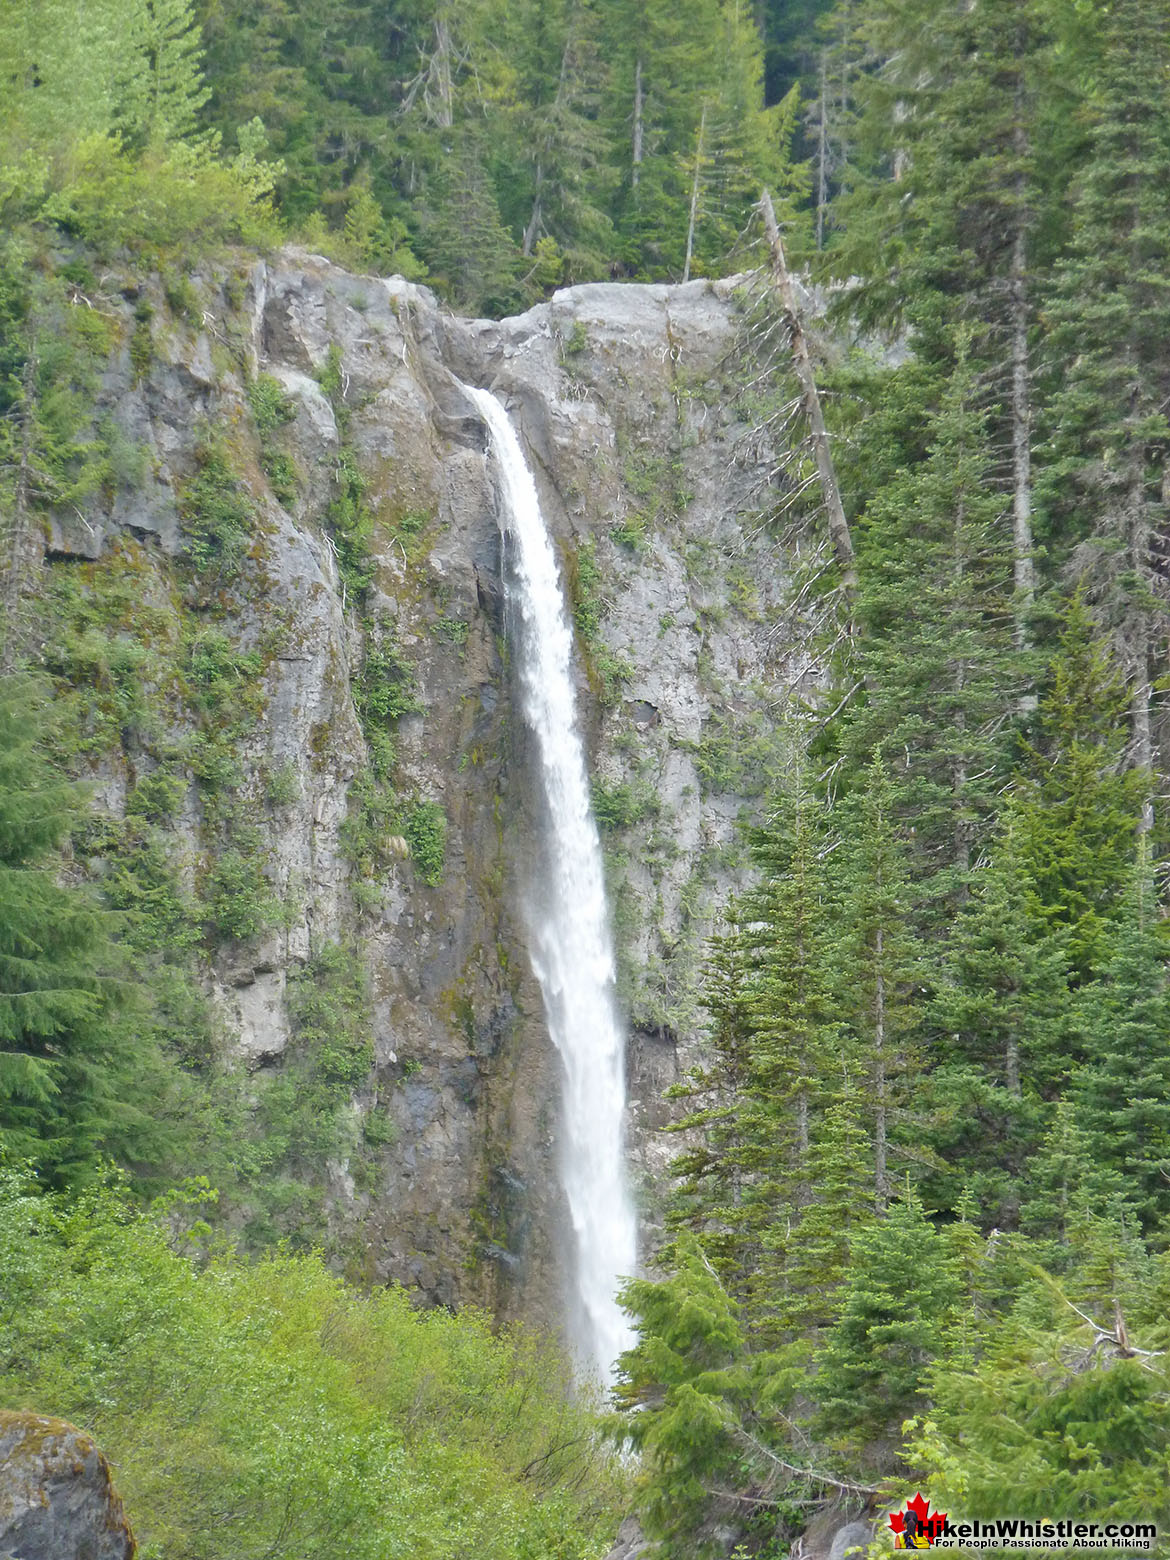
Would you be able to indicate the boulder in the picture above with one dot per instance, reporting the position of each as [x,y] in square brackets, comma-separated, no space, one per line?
[57,1499]
[630,1543]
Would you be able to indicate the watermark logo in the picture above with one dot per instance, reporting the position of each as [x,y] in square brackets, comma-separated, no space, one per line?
[916,1526]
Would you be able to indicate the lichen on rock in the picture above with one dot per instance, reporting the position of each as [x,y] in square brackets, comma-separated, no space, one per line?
[57,1497]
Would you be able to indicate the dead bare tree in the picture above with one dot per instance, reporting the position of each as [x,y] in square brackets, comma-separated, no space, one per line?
[814,415]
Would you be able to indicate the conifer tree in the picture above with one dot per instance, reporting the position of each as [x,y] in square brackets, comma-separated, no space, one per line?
[796,1047]
[935,653]
[63,1058]
[877,958]
[1073,811]
[898,1303]
[1121,1093]
[164,89]
[1109,430]
[680,1375]
[1001,1015]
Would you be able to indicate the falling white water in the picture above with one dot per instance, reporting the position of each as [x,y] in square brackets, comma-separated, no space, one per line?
[571,943]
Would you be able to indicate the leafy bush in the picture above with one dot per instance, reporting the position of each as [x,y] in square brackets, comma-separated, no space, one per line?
[386,690]
[168,198]
[585,590]
[330,1010]
[622,805]
[351,526]
[425,829]
[217,515]
[269,1409]
[219,672]
[240,901]
[270,406]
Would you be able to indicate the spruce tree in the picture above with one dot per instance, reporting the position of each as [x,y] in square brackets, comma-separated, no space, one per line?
[1121,1093]
[1003,1040]
[899,1301]
[1073,810]
[877,960]
[63,1056]
[1108,354]
[680,1375]
[935,653]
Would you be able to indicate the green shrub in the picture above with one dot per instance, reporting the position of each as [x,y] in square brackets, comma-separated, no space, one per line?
[271,1409]
[157,797]
[271,408]
[351,525]
[217,515]
[282,786]
[329,1006]
[240,902]
[220,673]
[425,830]
[169,198]
[386,689]
[281,471]
[622,805]
[585,588]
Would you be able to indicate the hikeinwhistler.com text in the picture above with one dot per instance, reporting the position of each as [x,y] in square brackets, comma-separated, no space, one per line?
[1018,1533]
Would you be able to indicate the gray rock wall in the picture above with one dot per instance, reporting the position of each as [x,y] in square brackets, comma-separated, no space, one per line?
[624,396]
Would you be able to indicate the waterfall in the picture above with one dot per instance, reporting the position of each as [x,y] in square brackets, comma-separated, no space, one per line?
[568,918]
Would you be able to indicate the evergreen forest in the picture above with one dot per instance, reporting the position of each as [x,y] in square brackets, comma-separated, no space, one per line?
[915,1234]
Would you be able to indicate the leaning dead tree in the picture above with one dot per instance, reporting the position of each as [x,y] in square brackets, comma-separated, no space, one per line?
[785,452]
[785,292]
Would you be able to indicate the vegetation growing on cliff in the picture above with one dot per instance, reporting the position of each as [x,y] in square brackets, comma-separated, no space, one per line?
[926,1170]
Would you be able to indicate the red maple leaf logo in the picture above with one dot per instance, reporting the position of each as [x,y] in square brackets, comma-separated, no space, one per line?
[927,1525]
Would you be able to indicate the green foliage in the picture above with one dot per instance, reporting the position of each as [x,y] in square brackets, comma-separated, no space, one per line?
[78,1077]
[348,518]
[679,1375]
[271,408]
[211,1383]
[425,829]
[585,590]
[623,805]
[386,690]
[239,900]
[217,515]
[899,1298]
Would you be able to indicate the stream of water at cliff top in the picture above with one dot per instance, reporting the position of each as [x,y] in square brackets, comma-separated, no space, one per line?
[570,940]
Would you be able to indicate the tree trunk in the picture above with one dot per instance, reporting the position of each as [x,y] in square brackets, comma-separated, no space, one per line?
[1139,634]
[830,490]
[880,1175]
[14,575]
[532,231]
[1023,547]
[822,156]
[638,131]
[686,276]
[446,114]
[1011,1066]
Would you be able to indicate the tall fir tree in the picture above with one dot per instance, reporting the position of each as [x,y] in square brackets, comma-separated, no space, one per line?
[1107,480]
[898,1305]
[935,656]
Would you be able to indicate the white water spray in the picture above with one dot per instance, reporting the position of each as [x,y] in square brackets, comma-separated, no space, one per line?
[571,943]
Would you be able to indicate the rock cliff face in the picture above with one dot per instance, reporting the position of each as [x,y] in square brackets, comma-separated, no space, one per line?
[625,397]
